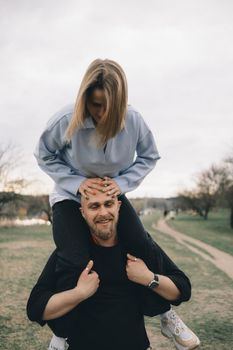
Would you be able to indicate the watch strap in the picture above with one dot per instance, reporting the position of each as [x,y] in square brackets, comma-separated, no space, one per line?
[154,283]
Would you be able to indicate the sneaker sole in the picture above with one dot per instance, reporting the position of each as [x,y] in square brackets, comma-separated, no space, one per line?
[179,346]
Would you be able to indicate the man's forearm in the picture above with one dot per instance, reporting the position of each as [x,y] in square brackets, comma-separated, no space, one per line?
[61,303]
[167,288]
[138,272]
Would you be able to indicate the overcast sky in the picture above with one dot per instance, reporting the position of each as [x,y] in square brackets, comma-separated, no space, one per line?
[178,58]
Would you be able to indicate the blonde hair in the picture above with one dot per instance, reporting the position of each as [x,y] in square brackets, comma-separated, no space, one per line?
[110,77]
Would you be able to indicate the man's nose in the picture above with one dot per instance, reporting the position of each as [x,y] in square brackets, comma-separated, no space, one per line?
[103,210]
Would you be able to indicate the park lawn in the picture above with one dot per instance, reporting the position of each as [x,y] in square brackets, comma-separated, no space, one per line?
[27,233]
[215,231]
[210,312]
[24,252]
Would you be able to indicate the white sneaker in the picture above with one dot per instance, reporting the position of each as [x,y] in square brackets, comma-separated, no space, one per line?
[174,328]
[58,343]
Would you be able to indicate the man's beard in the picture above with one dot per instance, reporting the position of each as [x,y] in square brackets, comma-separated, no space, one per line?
[101,232]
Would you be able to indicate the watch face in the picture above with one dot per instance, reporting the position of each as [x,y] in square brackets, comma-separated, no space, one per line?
[153,284]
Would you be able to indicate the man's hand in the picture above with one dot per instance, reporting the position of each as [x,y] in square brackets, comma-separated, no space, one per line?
[88,282]
[61,303]
[137,271]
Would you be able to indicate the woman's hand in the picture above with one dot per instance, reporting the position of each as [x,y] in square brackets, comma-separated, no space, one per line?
[137,271]
[111,187]
[105,185]
[89,186]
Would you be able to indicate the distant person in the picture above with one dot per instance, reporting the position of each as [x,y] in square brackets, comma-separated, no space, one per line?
[91,146]
[172,214]
[103,310]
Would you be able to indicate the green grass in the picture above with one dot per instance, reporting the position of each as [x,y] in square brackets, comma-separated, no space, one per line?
[214,231]
[24,252]
[13,234]
[199,248]
[210,312]
[149,220]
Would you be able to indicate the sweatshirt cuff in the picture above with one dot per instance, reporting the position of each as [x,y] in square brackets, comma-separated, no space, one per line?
[72,184]
[35,312]
[184,288]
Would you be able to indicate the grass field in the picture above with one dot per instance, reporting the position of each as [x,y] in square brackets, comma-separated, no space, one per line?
[210,312]
[215,231]
[24,252]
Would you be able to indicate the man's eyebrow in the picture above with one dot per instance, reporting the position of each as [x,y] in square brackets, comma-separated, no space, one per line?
[92,203]
[109,201]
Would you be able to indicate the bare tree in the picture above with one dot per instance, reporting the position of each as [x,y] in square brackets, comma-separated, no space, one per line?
[228,186]
[210,185]
[11,159]
[38,205]
[191,200]
[11,184]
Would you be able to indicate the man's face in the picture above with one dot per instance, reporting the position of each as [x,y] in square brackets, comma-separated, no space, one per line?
[101,214]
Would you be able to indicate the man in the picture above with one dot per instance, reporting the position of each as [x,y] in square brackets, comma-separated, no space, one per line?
[104,310]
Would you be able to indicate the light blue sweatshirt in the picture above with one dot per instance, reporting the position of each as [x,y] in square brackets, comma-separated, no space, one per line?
[127,158]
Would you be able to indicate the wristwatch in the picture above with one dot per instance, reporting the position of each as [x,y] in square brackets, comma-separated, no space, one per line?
[154,283]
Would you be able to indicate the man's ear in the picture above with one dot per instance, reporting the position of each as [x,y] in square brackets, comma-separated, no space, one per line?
[81,210]
[119,204]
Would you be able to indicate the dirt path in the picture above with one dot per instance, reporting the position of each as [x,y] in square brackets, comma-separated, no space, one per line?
[220,259]
[24,244]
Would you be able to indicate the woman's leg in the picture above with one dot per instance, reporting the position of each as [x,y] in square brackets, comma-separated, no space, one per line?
[130,229]
[134,237]
[71,236]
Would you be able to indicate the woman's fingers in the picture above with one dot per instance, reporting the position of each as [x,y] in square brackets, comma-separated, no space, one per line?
[82,191]
[131,257]
[85,191]
[89,186]
[113,191]
[105,185]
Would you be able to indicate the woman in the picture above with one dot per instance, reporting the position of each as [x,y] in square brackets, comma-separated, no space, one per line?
[92,146]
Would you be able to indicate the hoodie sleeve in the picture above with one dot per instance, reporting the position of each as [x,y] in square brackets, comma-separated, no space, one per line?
[160,263]
[146,154]
[42,291]
[48,154]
